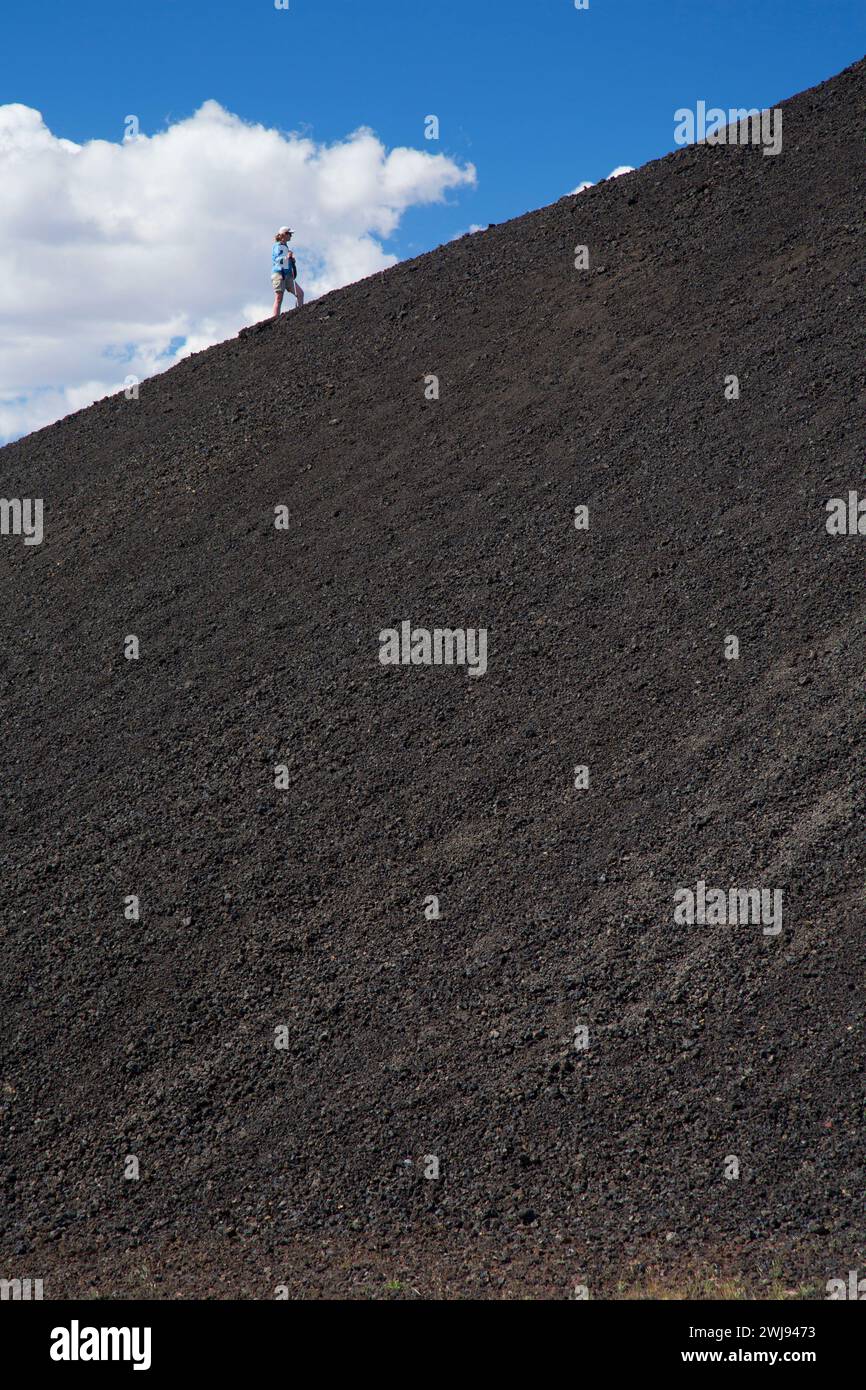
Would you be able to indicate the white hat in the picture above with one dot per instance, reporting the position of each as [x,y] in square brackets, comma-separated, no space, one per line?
[284,229]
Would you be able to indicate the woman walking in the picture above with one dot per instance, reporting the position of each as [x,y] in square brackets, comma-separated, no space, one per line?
[284,270]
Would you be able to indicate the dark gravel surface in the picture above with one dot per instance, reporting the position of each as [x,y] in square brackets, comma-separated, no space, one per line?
[304,907]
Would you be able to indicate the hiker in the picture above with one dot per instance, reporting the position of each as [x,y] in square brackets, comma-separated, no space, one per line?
[285,269]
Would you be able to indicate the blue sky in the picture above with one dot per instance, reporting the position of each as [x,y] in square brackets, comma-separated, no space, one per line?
[534,94]
[537,95]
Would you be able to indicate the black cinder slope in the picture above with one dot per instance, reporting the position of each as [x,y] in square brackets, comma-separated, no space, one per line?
[303,908]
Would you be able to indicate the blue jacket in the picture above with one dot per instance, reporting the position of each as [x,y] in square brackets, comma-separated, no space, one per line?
[282,260]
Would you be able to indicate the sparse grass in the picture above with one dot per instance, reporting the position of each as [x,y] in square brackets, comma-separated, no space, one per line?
[701,1285]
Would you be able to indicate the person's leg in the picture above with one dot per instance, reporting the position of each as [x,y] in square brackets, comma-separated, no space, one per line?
[295,289]
[278,303]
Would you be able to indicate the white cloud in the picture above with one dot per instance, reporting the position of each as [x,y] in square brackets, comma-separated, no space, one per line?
[614,174]
[111,253]
[469,231]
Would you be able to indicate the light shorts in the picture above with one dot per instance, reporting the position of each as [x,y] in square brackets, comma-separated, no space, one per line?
[281,282]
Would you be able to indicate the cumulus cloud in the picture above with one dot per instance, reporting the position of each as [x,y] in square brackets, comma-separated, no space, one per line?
[120,258]
[614,174]
[469,231]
